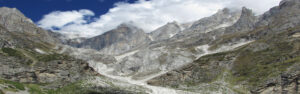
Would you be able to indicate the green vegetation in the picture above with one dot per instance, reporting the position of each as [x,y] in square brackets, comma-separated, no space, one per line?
[35,89]
[1,92]
[51,57]
[73,88]
[13,52]
[29,56]
[13,85]
[250,64]
[257,67]
[76,88]
[18,54]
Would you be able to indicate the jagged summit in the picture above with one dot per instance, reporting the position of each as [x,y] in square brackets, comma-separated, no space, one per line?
[286,13]
[8,14]
[165,32]
[224,11]
[6,11]
[127,24]
[246,12]
[12,18]
[121,39]
[246,21]
[15,21]
[288,2]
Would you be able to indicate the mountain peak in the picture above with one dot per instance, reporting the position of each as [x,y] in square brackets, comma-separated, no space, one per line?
[8,12]
[288,2]
[225,11]
[246,21]
[174,22]
[119,40]
[247,12]
[166,31]
[127,27]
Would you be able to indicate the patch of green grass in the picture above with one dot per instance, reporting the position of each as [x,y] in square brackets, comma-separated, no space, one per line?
[73,88]
[16,85]
[35,89]
[1,92]
[13,52]
[18,54]
[257,67]
[51,57]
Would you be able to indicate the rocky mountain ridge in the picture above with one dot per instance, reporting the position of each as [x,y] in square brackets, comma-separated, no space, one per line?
[265,66]
[119,40]
[232,51]
[30,61]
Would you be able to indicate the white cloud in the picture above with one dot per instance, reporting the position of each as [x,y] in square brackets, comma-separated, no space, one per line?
[146,14]
[58,19]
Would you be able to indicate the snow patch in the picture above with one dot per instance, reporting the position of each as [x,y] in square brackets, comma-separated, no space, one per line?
[171,35]
[151,38]
[223,48]
[296,35]
[40,51]
[120,57]
[219,26]
[104,70]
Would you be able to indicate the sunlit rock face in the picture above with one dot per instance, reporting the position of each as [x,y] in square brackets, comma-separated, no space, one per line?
[14,21]
[165,32]
[117,41]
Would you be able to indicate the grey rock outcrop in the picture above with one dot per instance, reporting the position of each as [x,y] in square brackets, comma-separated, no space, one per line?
[246,22]
[124,38]
[248,69]
[165,32]
[221,19]
[14,21]
[171,53]
[27,54]
[281,17]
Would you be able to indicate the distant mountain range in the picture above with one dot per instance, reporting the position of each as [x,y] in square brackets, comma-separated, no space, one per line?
[230,52]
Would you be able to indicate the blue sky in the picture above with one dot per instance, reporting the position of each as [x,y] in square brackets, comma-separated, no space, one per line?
[88,18]
[36,9]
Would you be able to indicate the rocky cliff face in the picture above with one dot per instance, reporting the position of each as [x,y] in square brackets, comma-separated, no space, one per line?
[163,55]
[124,38]
[246,22]
[221,19]
[14,21]
[265,66]
[31,61]
[165,32]
[27,53]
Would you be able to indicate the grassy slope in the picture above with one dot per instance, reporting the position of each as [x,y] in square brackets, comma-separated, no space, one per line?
[256,67]
[244,66]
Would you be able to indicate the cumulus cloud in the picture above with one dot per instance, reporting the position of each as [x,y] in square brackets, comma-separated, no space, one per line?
[146,14]
[58,19]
